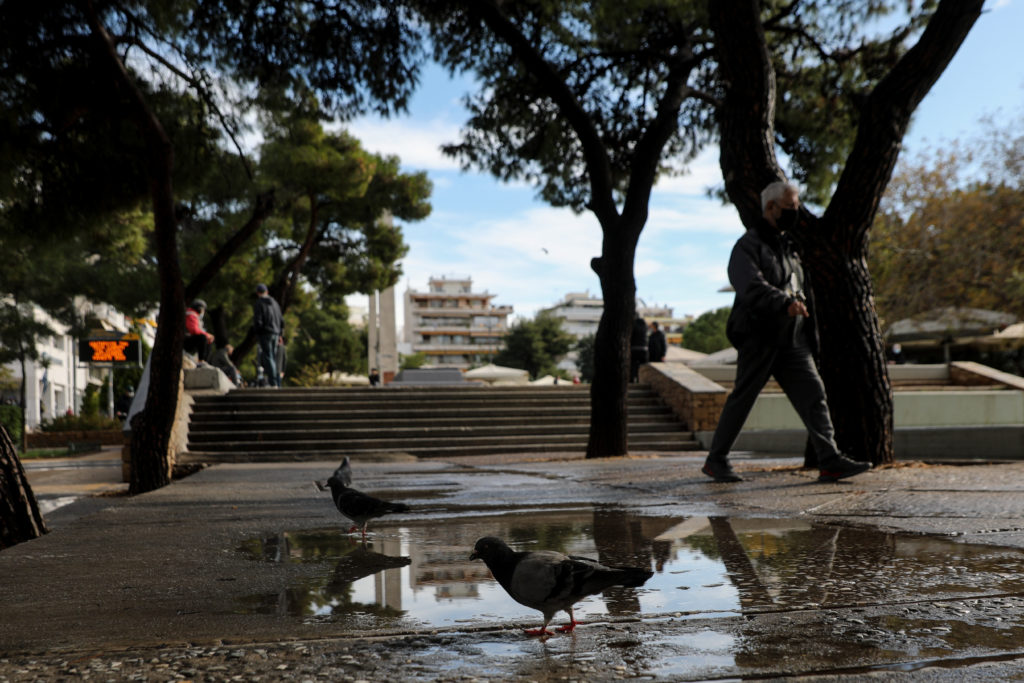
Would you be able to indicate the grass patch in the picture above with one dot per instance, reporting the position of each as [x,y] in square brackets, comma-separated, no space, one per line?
[43,453]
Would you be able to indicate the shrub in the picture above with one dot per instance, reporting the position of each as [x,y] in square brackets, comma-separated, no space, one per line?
[10,417]
[76,423]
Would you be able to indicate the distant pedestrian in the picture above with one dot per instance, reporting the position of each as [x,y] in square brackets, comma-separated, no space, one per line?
[197,339]
[656,345]
[221,359]
[637,348]
[896,356]
[374,377]
[267,325]
[771,328]
[281,359]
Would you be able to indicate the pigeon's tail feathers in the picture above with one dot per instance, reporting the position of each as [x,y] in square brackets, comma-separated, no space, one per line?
[397,507]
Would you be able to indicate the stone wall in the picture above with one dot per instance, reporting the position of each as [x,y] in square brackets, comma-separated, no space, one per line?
[104,437]
[695,399]
[969,373]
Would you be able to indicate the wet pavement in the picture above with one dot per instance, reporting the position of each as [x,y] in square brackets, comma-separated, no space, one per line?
[913,572]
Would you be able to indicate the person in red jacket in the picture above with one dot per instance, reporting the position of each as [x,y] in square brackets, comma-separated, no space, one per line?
[197,340]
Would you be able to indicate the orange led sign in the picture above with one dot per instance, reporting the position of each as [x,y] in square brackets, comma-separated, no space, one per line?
[122,350]
[108,350]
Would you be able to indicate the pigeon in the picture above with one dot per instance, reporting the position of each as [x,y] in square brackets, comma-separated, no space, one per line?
[344,472]
[358,506]
[550,581]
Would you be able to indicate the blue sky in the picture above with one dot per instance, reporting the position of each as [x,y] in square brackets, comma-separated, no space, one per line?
[530,254]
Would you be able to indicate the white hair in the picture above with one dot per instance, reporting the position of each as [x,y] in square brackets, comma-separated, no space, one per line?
[773,192]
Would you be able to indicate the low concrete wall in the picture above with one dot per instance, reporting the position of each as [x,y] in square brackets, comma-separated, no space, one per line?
[193,380]
[1004,442]
[897,373]
[912,409]
[975,423]
[696,400]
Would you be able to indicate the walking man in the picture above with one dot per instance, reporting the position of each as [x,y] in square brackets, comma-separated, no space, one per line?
[770,329]
[657,347]
[267,324]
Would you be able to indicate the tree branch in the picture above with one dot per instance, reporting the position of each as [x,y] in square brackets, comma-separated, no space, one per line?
[554,87]
[886,114]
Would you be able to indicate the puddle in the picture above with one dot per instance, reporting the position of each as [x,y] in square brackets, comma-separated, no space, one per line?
[419,575]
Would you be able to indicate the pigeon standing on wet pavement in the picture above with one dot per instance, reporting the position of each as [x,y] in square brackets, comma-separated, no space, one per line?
[549,581]
[358,506]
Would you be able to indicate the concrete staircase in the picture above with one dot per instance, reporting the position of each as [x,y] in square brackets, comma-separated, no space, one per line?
[318,423]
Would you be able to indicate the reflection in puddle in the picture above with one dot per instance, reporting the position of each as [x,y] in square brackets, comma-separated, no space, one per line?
[421,575]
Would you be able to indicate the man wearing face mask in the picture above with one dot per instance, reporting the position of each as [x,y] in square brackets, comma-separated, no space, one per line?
[768,326]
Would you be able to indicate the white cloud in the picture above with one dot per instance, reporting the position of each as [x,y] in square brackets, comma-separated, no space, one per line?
[417,144]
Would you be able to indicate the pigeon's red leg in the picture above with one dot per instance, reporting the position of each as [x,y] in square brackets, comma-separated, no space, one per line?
[538,632]
[364,533]
[542,631]
[568,628]
[353,528]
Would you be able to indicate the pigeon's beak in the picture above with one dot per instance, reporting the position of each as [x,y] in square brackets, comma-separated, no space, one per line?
[474,555]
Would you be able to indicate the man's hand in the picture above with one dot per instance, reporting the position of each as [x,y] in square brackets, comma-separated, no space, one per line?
[797,308]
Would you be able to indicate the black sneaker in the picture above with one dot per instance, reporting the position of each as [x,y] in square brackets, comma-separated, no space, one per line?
[841,467]
[721,472]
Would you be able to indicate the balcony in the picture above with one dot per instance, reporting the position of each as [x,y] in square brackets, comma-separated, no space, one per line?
[448,349]
[428,311]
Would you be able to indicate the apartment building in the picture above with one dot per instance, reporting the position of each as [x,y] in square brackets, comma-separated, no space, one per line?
[452,324]
[580,313]
[57,379]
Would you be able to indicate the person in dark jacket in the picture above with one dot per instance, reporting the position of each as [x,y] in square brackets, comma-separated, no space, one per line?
[656,345]
[769,326]
[267,325]
[637,348]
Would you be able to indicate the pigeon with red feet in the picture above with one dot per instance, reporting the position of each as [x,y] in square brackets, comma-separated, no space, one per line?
[358,506]
[549,581]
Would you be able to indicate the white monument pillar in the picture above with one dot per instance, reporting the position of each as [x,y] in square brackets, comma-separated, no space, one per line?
[382,342]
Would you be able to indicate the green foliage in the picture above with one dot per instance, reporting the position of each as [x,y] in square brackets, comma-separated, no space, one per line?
[74,423]
[311,375]
[615,61]
[91,402]
[950,231]
[536,346]
[10,417]
[324,338]
[707,333]
[413,361]
[585,358]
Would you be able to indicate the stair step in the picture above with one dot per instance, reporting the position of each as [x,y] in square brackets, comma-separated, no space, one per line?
[449,450]
[316,423]
[422,432]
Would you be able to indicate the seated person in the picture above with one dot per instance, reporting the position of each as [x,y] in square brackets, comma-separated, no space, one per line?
[221,359]
[197,340]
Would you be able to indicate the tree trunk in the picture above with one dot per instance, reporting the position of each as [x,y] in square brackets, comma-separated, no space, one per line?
[853,364]
[19,513]
[151,427]
[609,410]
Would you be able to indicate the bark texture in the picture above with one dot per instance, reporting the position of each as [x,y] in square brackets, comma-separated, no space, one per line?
[20,519]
